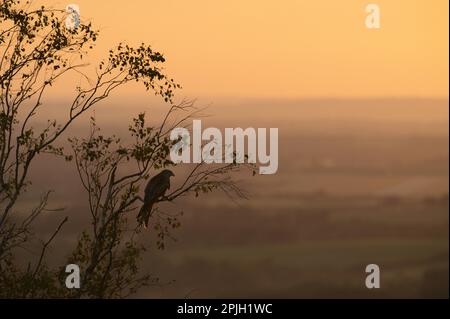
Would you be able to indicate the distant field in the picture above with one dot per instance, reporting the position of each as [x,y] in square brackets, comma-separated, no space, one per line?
[319,251]
[310,269]
[359,182]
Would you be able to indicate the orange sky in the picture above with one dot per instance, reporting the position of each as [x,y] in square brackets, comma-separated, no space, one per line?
[285,48]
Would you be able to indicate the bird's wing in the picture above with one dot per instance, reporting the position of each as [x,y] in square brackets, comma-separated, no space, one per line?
[156,188]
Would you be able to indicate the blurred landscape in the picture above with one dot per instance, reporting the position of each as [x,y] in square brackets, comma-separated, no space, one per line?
[360,181]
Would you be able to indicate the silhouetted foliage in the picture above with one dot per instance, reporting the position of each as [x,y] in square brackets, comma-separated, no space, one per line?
[36,50]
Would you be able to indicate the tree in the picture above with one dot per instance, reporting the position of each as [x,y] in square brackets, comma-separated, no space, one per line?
[36,50]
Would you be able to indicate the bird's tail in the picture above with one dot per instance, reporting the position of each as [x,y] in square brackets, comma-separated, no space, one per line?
[144,215]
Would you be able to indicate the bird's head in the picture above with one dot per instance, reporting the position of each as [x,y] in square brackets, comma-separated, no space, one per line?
[168,173]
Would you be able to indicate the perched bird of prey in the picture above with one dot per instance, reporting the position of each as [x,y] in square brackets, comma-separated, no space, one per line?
[155,189]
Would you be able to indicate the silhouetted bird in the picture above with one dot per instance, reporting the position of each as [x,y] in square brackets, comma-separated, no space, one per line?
[155,189]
